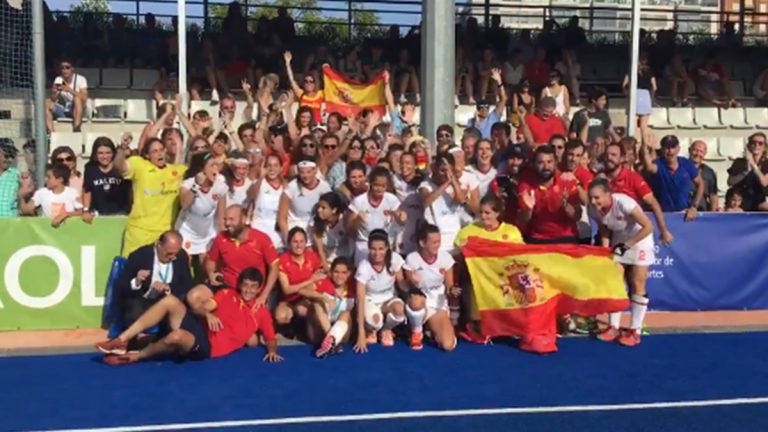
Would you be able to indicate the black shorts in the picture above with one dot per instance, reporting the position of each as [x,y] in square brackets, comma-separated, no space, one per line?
[197,327]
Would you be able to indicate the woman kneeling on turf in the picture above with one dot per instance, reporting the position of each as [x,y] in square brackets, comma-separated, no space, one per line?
[231,320]
[378,304]
[430,271]
[625,228]
[332,309]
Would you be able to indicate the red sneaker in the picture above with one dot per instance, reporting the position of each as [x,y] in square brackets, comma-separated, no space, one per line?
[327,347]
[609,335]
[630,338]
[114,346]
[387,338]
[417,339]
[119,360]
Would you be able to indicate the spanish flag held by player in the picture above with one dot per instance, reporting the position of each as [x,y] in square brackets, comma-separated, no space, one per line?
[347,96]
[520,289]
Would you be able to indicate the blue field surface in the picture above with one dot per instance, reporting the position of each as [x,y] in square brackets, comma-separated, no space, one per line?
[79,392]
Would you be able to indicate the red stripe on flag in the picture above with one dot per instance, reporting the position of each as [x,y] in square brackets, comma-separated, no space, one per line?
[541,319]
[483,248]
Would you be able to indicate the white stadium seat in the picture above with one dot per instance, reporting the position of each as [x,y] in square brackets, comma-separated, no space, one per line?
[682,118]
[73,140]
[145,79]
[139,110]
[721,170]
[108,110]
[734,118]
[195,106]
[92,76]
[731,147]
[757,117]
[115,78]
[708,117]
[659,119]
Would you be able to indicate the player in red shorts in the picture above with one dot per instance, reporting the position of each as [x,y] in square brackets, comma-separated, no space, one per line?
[231,323]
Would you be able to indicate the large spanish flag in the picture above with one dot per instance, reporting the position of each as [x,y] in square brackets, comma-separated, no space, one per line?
[347,96]
[520,289]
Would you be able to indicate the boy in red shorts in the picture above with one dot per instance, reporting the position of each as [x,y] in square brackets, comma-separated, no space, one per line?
[231,322]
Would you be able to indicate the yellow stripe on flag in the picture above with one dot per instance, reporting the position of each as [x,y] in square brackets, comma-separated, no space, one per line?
[347,96]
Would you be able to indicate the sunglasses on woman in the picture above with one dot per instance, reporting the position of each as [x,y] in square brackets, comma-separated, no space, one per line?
[65,159]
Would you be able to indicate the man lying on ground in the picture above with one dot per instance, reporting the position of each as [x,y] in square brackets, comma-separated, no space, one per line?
[231,319]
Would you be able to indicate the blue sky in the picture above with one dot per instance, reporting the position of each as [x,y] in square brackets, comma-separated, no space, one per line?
[391,13]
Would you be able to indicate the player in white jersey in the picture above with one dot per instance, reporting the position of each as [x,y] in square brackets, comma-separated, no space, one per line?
[300,197]
[625,228]
[265,194]
[235,175]
[483,167]
[375,209]
[429,271]
[469,184]
[378,306]
[329,232]
[406,186]
[201,196]
[443,197]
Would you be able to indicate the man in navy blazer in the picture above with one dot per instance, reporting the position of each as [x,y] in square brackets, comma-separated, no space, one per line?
[151,273]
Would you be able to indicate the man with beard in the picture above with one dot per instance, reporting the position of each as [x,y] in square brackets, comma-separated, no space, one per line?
[696,153]
[628,182]
[233,250]
[505,185]
[549,205]
[672,177]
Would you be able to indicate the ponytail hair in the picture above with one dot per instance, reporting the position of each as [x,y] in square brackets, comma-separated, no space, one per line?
[381,235]
[334,202]
[425,230]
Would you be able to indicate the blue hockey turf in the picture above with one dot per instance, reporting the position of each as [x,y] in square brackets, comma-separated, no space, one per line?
[696,382]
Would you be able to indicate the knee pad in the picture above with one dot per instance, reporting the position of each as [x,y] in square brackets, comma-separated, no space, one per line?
[374,319]
[394,319]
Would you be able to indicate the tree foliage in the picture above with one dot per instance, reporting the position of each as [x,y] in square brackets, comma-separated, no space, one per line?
[100,9]
[310,20]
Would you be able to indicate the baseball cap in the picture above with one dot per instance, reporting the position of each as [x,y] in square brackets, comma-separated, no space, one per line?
[669,141]
[516,150]
[482,103]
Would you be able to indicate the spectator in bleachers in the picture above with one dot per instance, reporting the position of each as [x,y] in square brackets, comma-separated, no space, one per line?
[646,92]
[523,102]
[374,62]
[484,118]
[10,180]
[69,96]
[672,178]
[30,150]
[283,25]
[749,174]
[155,186]
[313,65]
[696,154]
[105,192]
[513,68]
[712,82]
[469,140]
[537,70]
[351,66]
[56,200]
[539,127]
[465,75]
[557,142]
[734,201]
[570,71]
[596,117]
[485,68]
[549,204]
[233,66]
[678,77]
[67,157]
[760,88]
[153,271]
[309,94]
[406,78]
[559,93]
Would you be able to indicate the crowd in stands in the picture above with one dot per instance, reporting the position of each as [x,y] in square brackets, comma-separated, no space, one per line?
[333,227]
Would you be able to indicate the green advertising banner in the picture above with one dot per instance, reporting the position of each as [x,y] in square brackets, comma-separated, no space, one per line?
[54,278]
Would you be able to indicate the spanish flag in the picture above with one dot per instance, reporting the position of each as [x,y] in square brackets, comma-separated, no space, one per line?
[347,96]
[520,289]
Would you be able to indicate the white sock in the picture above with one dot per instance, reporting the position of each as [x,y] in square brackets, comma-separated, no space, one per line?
[614,319]
[638,307]
[392,321]
[338,330]
[416,318]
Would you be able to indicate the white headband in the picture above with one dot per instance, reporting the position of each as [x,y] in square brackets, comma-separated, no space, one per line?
[455,149]
[306,164]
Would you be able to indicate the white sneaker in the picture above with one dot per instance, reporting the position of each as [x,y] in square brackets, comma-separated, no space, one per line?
[418,99]
[402,100]
[214,97]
